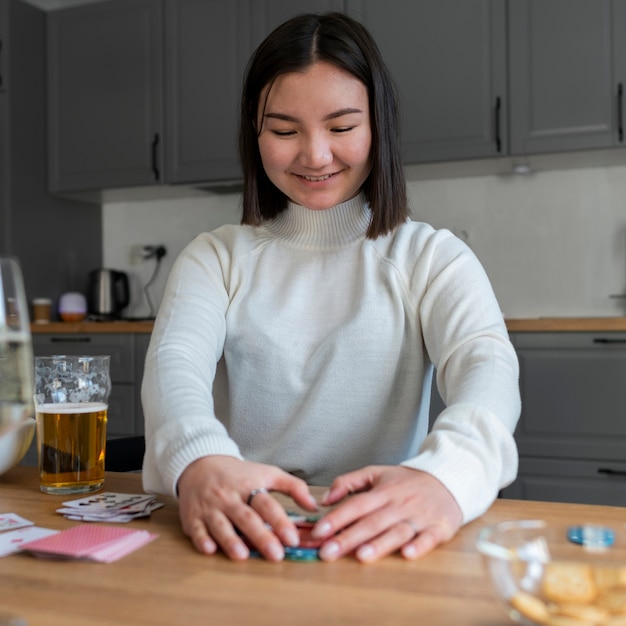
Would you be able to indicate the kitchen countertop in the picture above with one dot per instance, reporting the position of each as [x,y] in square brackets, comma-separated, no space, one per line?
[117,326]
[536,324]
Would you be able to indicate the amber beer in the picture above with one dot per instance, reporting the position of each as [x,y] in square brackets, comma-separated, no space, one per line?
[72,441]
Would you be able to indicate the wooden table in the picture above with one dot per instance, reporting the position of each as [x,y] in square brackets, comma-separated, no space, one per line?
[168,583]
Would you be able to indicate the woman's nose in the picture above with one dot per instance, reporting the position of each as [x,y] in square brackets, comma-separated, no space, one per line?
[315,152]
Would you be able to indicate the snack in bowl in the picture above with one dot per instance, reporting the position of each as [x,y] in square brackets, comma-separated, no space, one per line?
[541,576]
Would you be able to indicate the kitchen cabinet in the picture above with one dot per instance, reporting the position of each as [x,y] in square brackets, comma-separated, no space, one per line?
[105,89]
[567,74]
[57,241]
[572,433]
[448,59]
[127,351]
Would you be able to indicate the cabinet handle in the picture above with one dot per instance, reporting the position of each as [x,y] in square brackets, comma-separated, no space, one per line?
[1,74]
[620,112]
[155,157]
[70,339]
[611,472]
[604,340]
[497,113]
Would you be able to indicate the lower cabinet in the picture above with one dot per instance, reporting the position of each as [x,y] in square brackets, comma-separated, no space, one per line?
[572,432]
[127,351]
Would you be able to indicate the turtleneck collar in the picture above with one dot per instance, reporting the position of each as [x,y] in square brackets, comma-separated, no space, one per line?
[326,229]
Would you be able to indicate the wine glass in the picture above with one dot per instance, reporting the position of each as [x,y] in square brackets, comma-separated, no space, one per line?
[16,352]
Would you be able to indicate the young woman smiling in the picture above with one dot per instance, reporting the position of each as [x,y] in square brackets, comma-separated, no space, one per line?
[298,348]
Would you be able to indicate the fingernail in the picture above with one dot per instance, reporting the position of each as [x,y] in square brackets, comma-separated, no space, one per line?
[365,553]
[276,553]
[325,496]
[409,552]
[321,530]
[291,537]
[329,550]
[241,552]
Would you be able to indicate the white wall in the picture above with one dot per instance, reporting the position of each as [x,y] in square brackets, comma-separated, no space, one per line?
[553,242]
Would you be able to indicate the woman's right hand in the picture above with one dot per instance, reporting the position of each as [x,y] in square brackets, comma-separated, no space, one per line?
[213,496]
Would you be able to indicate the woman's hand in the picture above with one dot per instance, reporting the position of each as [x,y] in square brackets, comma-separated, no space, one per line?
[213,496]
[393,508]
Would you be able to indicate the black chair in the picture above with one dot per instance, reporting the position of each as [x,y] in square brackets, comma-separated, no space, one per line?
[125,454]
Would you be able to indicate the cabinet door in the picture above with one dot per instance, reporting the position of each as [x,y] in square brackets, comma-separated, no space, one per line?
[573,389]
[563,94]
[448,59]
[268,14]
[105,91]
[583,482]
[207,44]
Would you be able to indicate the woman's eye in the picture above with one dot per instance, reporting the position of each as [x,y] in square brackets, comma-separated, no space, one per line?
[342,129]
[284,133]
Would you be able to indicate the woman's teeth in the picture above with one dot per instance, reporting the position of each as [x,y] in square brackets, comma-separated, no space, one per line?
[317,178]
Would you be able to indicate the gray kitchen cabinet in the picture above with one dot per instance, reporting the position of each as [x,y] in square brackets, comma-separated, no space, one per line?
[572,432]
[207,44]
[56,241]
[567,74]
[127,351]
[105,95]
[448,59]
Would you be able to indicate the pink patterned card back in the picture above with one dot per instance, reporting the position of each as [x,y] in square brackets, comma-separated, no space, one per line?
[104,544]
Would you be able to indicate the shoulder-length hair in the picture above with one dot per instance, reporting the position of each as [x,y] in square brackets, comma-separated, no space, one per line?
[293,46]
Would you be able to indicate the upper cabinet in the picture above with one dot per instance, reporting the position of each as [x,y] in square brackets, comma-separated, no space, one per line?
[567,74]
[105,94]
[448,58]
[207,46]
[145,92]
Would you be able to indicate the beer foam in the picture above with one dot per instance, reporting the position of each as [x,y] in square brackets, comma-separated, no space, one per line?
[72,407]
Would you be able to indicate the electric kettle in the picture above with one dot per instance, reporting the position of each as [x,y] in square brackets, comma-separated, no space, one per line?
[108,293]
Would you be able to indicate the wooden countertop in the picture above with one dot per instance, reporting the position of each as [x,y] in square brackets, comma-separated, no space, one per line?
[118,326]
[563,324]
[538,324]
[167,582]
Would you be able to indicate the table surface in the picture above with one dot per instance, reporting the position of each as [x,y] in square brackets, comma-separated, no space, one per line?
[168,583]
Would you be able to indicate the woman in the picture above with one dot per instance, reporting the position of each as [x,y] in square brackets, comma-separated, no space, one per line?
[298,348]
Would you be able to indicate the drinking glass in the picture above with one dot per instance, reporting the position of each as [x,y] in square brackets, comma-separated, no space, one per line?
[16,352]
[71,402]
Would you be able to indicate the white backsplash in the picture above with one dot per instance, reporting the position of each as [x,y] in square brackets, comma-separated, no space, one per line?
[553,243]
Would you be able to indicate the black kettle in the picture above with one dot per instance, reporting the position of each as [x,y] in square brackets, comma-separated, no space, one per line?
[108,293]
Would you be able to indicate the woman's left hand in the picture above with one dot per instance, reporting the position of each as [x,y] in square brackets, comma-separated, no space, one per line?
[390,508]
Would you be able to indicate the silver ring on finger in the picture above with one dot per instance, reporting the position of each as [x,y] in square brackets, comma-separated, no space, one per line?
[255,492]
[412,525]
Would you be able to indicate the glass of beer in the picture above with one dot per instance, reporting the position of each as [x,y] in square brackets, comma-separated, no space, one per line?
[71,403]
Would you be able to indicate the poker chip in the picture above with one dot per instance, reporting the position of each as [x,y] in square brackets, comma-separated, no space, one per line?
[301,554]
[591,536]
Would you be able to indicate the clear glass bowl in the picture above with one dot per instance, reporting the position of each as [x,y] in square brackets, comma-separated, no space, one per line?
[553,574]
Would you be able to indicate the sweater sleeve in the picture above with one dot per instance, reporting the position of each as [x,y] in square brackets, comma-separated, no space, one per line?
[181,363]
[471,448]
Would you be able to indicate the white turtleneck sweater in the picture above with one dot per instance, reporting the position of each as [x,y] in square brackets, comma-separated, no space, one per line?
[303,344]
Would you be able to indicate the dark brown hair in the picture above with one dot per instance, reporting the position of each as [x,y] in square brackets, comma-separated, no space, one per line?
[293,46]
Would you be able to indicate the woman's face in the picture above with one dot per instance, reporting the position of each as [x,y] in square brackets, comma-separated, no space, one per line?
[315,138]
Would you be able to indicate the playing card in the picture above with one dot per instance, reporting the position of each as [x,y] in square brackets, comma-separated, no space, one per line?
[11,521]
[12,540]
[108,500]
[125,514]
[104,544]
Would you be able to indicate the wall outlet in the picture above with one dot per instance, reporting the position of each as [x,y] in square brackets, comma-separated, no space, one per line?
[142,252]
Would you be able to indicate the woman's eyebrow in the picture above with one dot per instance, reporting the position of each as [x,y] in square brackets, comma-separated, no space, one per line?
[331,116]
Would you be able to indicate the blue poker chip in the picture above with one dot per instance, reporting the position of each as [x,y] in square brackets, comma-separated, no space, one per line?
[301,554]
[591,536]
